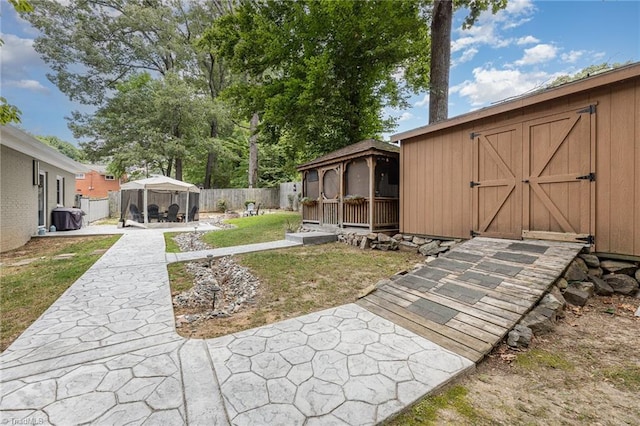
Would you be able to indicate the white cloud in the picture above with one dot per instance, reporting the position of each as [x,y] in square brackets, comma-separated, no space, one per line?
[405,116]
[492,85]
[18,56]
[466,56]
[537,54]
[486,30]
[423,102]
[572,56]
[527,40]
[32,85]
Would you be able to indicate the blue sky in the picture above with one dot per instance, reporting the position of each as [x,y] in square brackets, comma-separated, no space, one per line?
[519,49]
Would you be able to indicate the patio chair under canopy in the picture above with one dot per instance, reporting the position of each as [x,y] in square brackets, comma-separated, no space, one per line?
[162,191]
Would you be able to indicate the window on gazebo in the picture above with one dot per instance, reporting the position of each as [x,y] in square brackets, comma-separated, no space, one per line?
[387,177]
[311,184]
[331,184]
[357,178]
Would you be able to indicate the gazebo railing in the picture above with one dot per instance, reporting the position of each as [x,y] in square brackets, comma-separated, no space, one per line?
[386,213]
[311,213]
[356,214]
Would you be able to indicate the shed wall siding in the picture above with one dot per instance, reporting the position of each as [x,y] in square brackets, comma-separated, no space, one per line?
[436,169]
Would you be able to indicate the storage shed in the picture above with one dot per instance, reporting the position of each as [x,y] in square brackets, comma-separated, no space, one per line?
[356,186]
[562,163]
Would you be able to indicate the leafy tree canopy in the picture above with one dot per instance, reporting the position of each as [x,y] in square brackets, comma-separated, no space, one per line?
[64,147]
[321,71]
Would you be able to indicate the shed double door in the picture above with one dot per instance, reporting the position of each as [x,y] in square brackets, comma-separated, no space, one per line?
[535,179]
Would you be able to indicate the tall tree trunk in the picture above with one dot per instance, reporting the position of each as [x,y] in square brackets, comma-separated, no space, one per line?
[179,168]
[440,60]
[169,167]
[253,151]
[211,157]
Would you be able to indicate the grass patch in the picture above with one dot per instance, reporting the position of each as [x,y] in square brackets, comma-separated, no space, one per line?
[170,244]
[426,411]
[253,229]
[626,377]
[28,290]
[181,280]
[539,358]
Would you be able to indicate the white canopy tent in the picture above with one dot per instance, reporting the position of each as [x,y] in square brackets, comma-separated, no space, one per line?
[157,185]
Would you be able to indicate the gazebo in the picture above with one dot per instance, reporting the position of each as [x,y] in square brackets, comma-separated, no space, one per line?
[161,193]
[356,186]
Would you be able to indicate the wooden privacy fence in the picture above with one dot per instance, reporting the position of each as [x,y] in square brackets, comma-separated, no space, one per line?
[268,198]
[94,209]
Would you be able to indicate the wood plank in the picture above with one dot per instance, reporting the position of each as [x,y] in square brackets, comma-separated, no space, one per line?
[469,329]
[393,298]
[462,307]
[556,236]
[421,330]
[507,306]
[451,333]
[501,293]
[483,325]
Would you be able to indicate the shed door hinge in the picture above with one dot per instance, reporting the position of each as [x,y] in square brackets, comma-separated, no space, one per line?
[591,109]
[473,135]
[472,184]
[591,177]
[589,239]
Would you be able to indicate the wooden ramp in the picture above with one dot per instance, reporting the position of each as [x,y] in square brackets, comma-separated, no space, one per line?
[468,300]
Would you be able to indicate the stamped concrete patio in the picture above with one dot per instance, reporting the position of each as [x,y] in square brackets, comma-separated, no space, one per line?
[106,352]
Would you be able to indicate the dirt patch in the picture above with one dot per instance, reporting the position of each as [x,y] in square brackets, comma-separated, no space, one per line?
[586,372]
[38,248]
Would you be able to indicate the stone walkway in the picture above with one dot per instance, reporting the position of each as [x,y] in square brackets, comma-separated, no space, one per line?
[106,352]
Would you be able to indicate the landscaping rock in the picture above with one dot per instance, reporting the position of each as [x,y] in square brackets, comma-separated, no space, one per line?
[419,241]
[407,237]
[619,267]
[575,296]
[448,243]
[602,288]
[372,236]
[364,243]
[638,275]
[430,259]
[430,249]
[520,336]
[591,260]
[595,272]
[397,237]
[585,286]
[555,292]
[622,284]
[408,246]
[540,320]
[384,238]
[561,283]
[577,271]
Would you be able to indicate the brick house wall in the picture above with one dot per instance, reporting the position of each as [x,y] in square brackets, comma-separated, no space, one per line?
[95,184]
[19,195]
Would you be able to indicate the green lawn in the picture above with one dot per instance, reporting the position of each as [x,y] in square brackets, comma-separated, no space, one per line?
[27,291]
[254,229]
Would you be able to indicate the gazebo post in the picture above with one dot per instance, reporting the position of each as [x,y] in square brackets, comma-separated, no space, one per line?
[145,213]
[186,209]
[371,161]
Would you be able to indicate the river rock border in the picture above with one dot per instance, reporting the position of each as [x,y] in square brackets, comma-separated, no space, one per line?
[586,276]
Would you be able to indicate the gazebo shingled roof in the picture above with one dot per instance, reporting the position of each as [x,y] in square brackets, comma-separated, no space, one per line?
[365,147]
